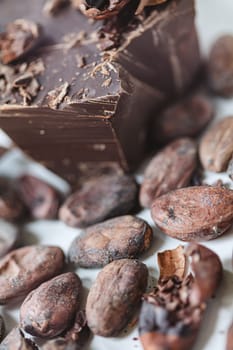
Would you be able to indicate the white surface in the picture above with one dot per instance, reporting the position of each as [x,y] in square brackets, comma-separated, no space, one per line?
[214,18]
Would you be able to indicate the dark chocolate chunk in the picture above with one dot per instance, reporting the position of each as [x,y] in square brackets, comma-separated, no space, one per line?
[99,103]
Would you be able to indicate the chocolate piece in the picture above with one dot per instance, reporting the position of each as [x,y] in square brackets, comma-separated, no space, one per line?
[98,104]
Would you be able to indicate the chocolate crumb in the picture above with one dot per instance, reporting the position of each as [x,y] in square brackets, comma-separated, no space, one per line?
[56,96]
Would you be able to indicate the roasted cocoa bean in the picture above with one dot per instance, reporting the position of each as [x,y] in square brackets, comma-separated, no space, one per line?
[99,199]
[115,296]
[216,147]
[186,118]
[50,309]
[194,213]
[24,269]
[11,207]
[220,67]
[40,198]
[9,235]
[170,169]
[16,340]
[122,237]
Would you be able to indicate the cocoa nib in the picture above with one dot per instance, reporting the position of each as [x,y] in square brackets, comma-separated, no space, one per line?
[170,317]
[16,340]
[220,67]
[39,197]
[170,169]
[186,118]
[194,213]
[216,147]
[98,199]
[20,37]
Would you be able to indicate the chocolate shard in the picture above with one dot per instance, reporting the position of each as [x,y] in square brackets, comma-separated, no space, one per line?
[71,115]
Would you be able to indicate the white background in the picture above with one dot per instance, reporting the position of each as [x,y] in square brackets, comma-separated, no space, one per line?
[213,19]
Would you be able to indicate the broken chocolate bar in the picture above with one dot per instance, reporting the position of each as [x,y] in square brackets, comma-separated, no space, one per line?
[84,95]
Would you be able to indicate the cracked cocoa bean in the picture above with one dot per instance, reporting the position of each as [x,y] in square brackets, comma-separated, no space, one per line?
[216,147]
[50,309]
[24,269]
[170,169]
[118,238]
[171,316]
[115,296]
[194,213]
[98,199]
[39,197]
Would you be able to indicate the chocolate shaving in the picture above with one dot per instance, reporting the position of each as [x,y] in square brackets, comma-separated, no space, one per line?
[21,80]
[144,3]
[56,96]
[106,9]
[19,38]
